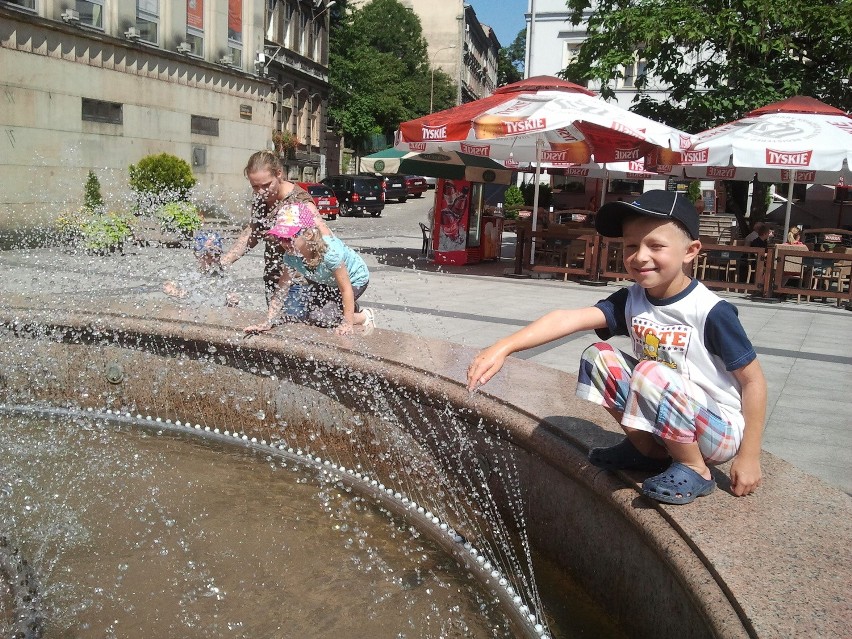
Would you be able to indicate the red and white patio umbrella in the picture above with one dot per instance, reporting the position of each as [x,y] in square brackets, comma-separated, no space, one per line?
[797,140]
[543,120]
[540,119]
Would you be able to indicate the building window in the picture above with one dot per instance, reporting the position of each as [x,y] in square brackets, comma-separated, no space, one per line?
[148,20]
[91,12]
[635,71]
[100,111]
[235,31]
[195,26]
[24,4]
[204,126]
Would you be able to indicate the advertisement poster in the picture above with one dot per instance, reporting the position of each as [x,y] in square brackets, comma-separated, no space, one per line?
[451,217]
[195,14]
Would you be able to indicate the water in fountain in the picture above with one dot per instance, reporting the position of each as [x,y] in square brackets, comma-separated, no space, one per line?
[140,535]
[418,446]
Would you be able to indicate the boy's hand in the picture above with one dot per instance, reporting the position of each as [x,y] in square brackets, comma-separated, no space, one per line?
[745,475]
[484,366]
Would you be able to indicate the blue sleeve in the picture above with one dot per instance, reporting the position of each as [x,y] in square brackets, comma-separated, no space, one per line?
[725,337]
[334,256]
[613,308]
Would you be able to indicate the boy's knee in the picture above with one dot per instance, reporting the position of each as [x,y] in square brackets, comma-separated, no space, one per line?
[596,350]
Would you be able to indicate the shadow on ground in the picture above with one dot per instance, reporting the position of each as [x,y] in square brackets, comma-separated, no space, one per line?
[414,259]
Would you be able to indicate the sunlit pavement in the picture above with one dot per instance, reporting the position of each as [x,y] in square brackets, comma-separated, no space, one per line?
[805,349]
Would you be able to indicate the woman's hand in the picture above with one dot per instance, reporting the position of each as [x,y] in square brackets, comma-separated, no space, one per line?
[258,328]
[344,328]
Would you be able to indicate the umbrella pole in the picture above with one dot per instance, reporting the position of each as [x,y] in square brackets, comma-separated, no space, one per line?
[538,145]
[789,207]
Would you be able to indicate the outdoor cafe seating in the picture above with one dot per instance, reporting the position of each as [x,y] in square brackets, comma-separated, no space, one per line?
[575,250]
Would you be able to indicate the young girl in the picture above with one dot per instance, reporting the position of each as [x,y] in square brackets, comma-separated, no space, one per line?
[271,192]
[336,275]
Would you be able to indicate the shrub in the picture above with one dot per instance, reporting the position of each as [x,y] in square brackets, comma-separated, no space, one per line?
[92,198]
[105,232]
[180,217]
[545,194]
[513,199]
[69,226]
[162,178]
[693,192]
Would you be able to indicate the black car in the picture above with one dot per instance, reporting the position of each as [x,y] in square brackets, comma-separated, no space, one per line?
[393,185]
[357,194]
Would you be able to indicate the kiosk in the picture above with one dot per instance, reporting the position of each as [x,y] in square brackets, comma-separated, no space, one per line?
[465,229]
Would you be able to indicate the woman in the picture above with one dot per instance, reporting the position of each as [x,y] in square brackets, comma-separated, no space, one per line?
[271,191]
[336,275]
[794,235]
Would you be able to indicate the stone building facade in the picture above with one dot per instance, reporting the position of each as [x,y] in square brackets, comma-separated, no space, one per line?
[96,85]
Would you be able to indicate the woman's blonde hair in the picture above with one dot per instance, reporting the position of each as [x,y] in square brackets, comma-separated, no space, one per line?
[263,161]
[316,247]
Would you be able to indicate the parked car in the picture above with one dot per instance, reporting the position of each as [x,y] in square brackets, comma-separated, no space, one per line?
[415,185]
[357,194]
[431,182]
[324,198]
[393,186]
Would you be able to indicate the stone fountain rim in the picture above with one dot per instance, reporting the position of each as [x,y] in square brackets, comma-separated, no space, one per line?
[682,536]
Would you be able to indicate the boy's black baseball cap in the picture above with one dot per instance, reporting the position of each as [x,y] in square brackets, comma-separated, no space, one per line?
[656,203]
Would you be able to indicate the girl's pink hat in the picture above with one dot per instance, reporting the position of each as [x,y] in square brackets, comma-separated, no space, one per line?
[291,219]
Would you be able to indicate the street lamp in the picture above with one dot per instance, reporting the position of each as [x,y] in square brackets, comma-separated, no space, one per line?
[432,65]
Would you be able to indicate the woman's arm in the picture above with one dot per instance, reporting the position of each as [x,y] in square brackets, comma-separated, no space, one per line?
[344,284]
[246,240]
[554,325]
[276,304]
[745,469]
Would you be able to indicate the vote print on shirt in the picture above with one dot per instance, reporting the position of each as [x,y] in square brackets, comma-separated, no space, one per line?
[664,343]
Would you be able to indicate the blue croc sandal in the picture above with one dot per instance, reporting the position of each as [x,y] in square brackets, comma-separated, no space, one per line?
[679,484]
[625,456]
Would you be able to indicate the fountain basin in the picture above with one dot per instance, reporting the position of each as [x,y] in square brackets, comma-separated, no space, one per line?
[775,564]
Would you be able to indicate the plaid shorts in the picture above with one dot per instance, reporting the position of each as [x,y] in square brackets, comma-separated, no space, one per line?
[655,399]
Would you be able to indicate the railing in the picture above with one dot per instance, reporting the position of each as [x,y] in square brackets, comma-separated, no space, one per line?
[813,274]
[783,270]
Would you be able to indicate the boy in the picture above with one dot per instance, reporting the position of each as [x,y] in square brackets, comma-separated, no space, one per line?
[693,393]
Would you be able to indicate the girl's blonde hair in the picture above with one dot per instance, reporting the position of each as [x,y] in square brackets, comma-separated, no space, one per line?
[263,161]
[316,247]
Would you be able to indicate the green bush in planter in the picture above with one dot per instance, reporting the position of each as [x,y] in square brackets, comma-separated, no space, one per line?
[513,199]
[158,179]
[179,217]
[105,232]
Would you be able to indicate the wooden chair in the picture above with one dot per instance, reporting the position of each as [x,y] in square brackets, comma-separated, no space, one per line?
[427,239]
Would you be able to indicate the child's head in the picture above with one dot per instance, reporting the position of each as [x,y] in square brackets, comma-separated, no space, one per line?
[660,235]
[291,220]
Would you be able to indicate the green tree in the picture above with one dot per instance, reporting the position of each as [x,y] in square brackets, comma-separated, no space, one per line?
[511,59]
[92,192]
[718,58]
[379,77]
